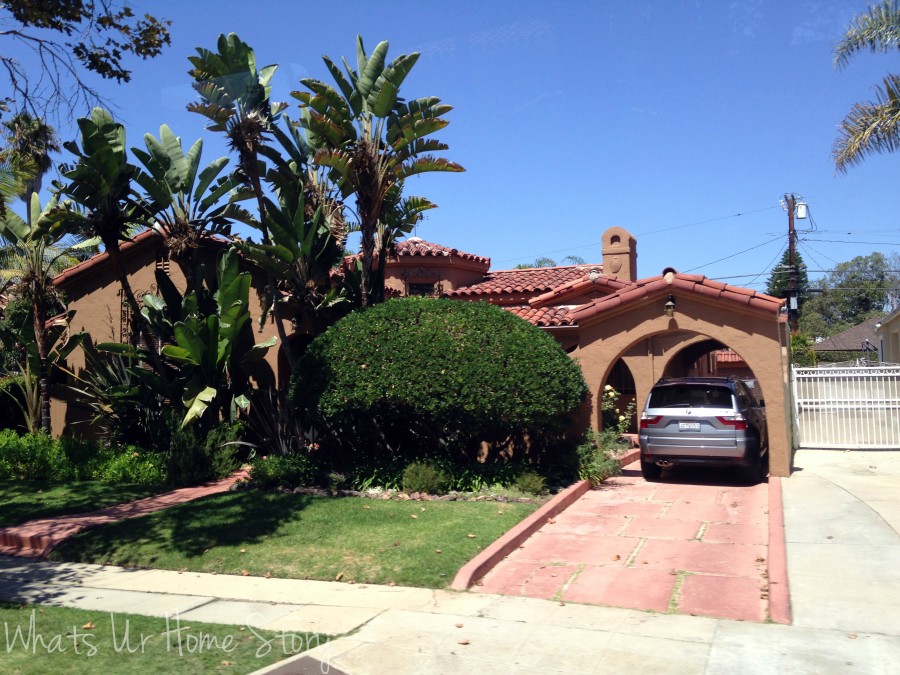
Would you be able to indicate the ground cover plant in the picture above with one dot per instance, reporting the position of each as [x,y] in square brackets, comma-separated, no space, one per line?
[78,640]
[21,501]
[413,543]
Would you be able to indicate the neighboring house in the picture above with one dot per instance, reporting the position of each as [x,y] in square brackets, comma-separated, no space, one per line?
[887,338]
[858,342]
[622,330]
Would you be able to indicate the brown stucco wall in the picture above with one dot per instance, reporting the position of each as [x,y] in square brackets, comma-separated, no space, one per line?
[94,296]
[647,341]
[450,272]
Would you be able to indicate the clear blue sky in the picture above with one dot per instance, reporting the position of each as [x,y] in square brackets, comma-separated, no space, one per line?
[668,118]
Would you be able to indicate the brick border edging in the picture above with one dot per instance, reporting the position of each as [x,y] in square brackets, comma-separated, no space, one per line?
[779,593]
[485,561]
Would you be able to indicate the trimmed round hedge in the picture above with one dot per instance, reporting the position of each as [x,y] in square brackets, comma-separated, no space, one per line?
[417,378]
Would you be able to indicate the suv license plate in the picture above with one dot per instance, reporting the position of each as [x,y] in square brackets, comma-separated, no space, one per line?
[689,426]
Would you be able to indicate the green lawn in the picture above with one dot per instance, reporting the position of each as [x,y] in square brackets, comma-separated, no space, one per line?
[300,537]
[46,640]
[21,501]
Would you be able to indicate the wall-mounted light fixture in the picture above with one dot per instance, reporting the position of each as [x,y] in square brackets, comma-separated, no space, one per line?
[669,307]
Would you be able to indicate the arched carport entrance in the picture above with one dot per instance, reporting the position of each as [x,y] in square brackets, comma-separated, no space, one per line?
[633,325]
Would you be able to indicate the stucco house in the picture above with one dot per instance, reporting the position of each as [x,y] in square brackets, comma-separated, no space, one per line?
[623,330]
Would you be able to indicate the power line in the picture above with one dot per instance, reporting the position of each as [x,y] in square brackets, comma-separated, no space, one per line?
[869,243]
[640,234]
[735,255]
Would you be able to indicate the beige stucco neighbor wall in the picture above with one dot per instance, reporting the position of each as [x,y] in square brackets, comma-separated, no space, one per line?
[647,340]
[888,335]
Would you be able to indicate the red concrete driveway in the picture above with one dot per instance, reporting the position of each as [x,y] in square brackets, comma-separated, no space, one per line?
[695,543]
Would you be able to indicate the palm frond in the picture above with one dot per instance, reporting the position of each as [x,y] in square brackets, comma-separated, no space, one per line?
[870,127]
[878,29]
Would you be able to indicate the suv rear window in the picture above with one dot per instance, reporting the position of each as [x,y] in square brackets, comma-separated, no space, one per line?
[690,395]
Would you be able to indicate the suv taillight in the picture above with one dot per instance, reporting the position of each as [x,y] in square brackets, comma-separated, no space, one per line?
[647,422]
[738,422]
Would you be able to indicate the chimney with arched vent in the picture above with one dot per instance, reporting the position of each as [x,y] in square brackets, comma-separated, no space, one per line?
[619,254]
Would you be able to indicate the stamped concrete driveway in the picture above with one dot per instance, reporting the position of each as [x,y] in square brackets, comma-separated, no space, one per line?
[695,543]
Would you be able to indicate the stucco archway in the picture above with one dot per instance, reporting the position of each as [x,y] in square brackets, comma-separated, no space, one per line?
[634,328]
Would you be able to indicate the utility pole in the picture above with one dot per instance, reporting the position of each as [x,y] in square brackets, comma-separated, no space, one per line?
[792,304]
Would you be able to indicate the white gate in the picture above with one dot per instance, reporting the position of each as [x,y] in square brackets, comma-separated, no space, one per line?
[851,407]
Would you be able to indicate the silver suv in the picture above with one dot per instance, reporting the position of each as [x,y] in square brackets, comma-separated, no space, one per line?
[710,421]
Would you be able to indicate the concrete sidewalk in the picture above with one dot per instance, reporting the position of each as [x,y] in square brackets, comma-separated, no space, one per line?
[844,591]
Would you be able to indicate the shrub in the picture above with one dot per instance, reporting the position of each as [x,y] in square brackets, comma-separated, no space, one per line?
[426,379]
[32,457]
[595,456]
[531,483]
[130,465]
[423,477]
[282,471]
[194,455]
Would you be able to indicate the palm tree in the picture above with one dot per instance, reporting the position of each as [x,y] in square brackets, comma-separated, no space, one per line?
[370,140]
[31,255]
[29,142]
[871,126]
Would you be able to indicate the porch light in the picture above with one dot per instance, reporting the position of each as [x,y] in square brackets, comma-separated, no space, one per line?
[669,307]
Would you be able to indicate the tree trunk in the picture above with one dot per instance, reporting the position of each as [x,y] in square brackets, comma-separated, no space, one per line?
[270,276]
[146,331]
[40,341]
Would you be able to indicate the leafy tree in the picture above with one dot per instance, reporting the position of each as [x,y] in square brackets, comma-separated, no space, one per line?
[550,262]
[871,126]
[779,283]
[70,38]
[853,292]
[370,140]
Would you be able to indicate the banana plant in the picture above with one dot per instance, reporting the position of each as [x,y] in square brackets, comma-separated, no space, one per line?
[103,184]
[307,234]
[235,96]
[370,140]
[189,203]
[212,350]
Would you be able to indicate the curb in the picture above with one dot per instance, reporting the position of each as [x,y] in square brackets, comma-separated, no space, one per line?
[485,561]
[779,594]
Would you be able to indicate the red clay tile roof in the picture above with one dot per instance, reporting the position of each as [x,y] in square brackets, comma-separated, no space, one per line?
[728,356]
[578,287]
[531,280]
[416,246]
[692,283]
[96,261]
[543,316]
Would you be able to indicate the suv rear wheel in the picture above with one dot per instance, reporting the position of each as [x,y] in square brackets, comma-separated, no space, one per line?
[650,471]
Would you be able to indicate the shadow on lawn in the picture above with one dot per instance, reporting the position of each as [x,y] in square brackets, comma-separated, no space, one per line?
[21,501]
[190,529]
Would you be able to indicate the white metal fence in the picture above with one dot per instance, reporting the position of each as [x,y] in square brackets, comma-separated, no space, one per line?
[850,407]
